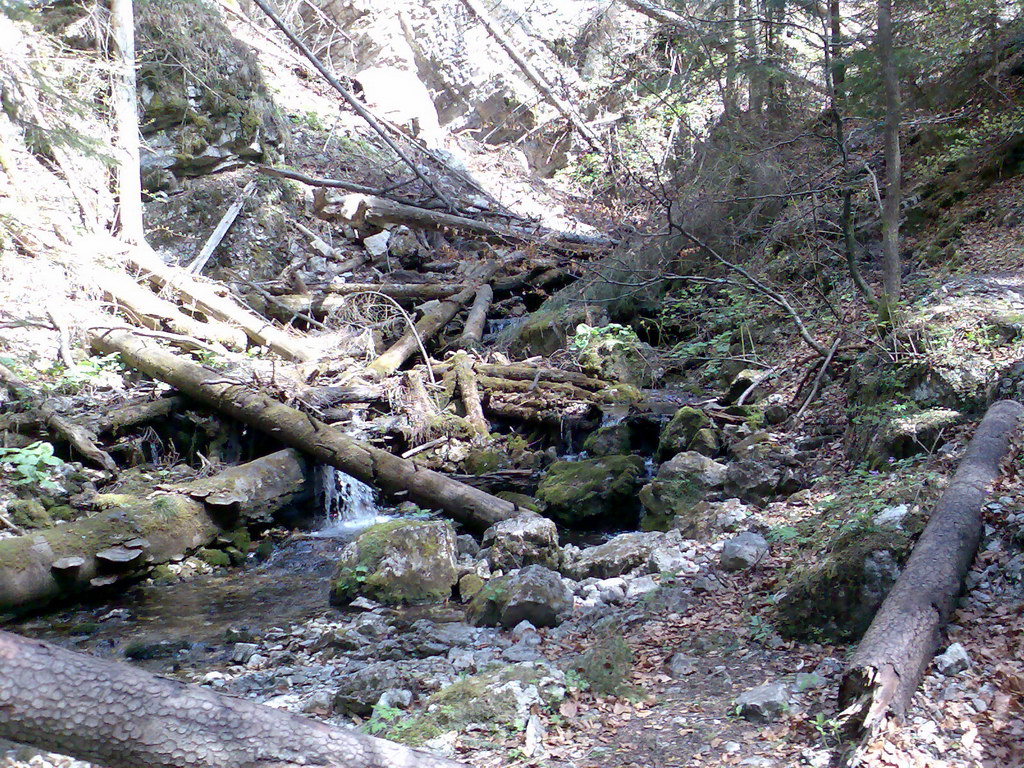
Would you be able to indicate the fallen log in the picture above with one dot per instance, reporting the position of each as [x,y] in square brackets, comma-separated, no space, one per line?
[526,372]
[224,308]
[470,393]
[473,331]
[134,533]
[115,715]
[326,304]
[299,430]
[892,657]
[362,210]
[428,326]
[220,230]
[143,307]
[76,435]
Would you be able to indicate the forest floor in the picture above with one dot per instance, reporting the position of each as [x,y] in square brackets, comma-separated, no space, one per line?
[693,648]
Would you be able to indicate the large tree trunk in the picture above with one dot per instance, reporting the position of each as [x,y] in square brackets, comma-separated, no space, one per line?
[891,267]
[126,117]
[133,533]
[905,633]
[118,716]
[301,431]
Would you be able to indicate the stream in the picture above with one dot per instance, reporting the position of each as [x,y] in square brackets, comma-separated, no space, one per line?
[196,622]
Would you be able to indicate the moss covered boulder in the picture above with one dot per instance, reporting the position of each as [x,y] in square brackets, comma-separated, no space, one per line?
[678,489]
[527,539]
[595,491]
[681,431]
[398,562]
[901,436]
[610,440]
[535,594]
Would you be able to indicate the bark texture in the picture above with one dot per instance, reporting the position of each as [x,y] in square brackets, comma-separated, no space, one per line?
[121,717]
[898,646]
[133,533]
[299,430]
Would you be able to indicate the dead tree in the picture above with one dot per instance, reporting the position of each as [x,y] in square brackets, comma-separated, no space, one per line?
[126,118]
[898,646]
[122,717]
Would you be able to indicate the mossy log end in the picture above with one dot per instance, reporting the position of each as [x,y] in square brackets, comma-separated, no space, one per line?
[116,715]
[303,432]
[131,534]
[898,646]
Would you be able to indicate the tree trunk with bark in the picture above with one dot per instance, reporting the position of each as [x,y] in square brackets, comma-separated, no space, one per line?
[122,717]
[891,266]
[134,533]
[299,430]
[126,118]
[898,646]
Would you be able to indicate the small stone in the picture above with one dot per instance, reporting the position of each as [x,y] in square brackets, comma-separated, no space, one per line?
[242,652]
[640,587]
[364,604]
[400,698]
[377,245]
[763,703]
[681,665]
[256,661]
[534,737]
[892,517]
[706,583]
[954,660]
[743,551]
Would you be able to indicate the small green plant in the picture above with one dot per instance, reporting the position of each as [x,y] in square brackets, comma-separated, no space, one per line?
[86,371]
[761,631]
[587,336]
[828,728]
[574,681]
[32,465]
[382,719]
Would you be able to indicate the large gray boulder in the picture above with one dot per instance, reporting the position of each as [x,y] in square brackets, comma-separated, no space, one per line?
[535,594]
[743,551]
[622,554]
[522,540]
[679,488]
[600,490]
[763,470]
[398,562]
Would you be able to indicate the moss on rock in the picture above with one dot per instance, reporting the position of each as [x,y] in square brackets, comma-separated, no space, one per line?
[601,490]
[398,562]
[681,430]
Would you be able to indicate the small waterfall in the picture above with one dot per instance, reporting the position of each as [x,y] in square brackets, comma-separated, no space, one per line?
[348,504]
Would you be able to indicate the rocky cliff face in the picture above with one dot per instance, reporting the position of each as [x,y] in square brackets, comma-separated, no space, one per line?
[434,64]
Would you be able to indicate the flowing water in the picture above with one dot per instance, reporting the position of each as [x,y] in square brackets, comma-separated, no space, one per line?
[195,622]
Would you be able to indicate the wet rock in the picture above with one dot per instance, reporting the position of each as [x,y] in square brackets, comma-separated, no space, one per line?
[523,540]
[763,703]
[535,594]
[599,490]
[400,561]
[680,431]
[610,440]
[678,489]
[743,551]
[622,554]
[953,660]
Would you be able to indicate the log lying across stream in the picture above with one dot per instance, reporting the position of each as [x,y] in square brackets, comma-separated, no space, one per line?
[122,717]
[898,646]
[313,437]
[132,533]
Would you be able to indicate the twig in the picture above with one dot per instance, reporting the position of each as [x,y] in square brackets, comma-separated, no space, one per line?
[818,379]
[221,229]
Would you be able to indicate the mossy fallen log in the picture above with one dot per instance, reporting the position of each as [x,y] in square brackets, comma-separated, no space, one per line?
[132,533]
[300,430]
[905,633]
[116,715]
